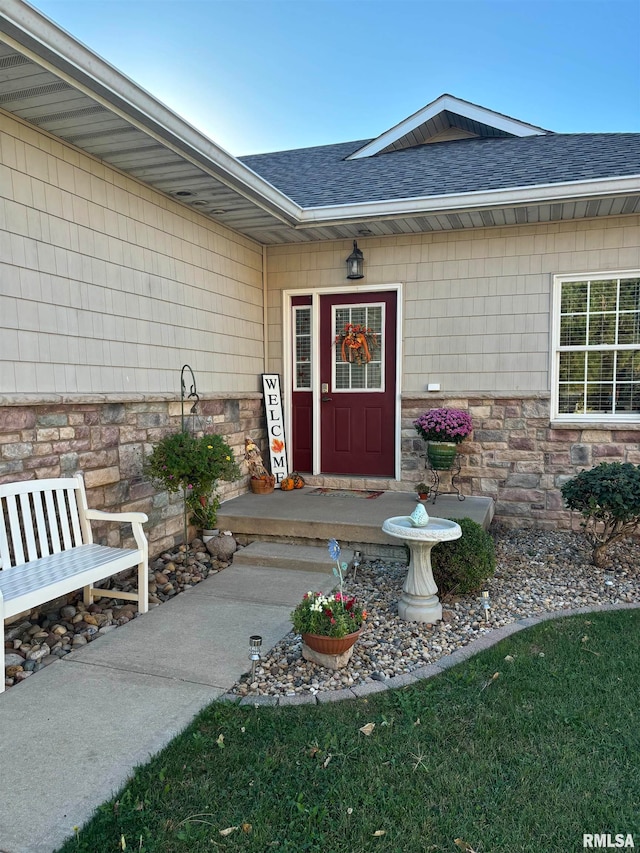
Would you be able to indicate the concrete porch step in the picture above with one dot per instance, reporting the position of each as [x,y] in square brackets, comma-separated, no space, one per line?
[309,517]
[279,555]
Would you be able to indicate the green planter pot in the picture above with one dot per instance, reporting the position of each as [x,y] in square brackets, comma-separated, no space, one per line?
[441,454]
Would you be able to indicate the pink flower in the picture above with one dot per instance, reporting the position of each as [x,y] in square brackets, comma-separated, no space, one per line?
[444,425]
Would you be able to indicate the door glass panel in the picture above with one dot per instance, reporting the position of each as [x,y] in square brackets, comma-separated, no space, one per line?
[358,363]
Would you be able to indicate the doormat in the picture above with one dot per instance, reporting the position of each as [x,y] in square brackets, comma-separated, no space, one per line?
[345,493]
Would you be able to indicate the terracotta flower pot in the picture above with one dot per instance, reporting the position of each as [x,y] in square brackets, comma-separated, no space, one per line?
[330,645]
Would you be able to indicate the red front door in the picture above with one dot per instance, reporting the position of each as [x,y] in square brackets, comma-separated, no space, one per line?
[358,384]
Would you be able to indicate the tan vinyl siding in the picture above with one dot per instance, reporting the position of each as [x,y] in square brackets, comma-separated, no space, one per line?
[108,286]
[477,307]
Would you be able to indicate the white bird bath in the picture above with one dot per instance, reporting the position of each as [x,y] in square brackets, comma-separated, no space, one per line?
[419,601]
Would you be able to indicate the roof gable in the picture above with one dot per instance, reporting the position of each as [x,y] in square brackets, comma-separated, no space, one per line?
[445,119]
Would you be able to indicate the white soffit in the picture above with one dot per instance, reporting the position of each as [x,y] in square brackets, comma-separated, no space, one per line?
[438,115]
[53,82]
[50,79]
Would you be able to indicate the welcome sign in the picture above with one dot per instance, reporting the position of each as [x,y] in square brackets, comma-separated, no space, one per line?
[275,425]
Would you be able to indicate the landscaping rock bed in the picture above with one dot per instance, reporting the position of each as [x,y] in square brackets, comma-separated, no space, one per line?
[537,571]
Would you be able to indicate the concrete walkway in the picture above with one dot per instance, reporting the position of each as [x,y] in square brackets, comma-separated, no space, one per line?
[71,734]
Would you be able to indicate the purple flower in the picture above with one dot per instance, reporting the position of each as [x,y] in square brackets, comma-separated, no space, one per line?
[444,425]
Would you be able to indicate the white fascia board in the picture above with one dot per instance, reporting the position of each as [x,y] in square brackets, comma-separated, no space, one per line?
[600,187]
[34,35]
[454,105]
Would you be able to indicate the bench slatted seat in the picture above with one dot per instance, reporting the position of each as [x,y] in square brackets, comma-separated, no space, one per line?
[47,548]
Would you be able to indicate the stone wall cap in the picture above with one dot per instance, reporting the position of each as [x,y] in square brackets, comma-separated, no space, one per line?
[442,396]
[608,426]
[80,399]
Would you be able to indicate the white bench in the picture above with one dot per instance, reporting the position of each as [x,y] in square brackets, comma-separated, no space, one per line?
[47,548]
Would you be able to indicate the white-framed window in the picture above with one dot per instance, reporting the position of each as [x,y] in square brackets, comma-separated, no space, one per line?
[596,347]
[302,364]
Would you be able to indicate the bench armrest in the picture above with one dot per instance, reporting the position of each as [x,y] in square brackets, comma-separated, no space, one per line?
[136,519]
[124,517]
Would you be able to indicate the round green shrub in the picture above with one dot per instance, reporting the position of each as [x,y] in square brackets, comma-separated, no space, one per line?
[608,498]
[462,565]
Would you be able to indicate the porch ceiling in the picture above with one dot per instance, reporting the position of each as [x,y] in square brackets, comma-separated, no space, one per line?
[51,81]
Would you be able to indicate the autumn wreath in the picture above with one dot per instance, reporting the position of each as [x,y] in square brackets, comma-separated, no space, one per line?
[357,343]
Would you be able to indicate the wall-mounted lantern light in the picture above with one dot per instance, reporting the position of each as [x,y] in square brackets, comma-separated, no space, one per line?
[355,262]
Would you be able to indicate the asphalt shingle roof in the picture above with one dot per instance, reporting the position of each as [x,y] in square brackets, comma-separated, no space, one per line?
[320,176]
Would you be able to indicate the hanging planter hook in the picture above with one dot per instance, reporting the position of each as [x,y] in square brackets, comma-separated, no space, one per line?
[192,395]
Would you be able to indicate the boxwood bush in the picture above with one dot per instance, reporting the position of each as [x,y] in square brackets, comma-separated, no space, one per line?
[463,565]
[608,498]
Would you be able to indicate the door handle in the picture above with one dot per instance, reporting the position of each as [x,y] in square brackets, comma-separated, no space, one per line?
[326,399]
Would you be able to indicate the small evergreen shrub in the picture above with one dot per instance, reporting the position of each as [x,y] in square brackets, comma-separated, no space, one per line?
[462,565]
[182,461]
[608,498]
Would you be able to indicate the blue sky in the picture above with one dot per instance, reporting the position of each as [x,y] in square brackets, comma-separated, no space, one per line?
[278,74]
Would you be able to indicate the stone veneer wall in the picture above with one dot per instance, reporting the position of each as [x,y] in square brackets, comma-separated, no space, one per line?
[107,438]
[516,456]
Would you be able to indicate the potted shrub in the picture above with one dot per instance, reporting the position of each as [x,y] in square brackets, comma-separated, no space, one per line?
[423,491]
[182,462]
[443,429]
[204,514]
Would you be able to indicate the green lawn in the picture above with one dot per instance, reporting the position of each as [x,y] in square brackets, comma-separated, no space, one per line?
[528,760]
